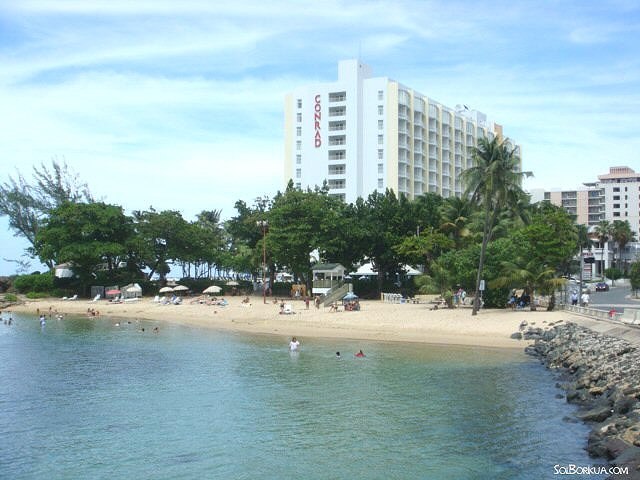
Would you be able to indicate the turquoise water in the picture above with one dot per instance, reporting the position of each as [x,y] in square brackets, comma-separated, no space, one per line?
[86,399]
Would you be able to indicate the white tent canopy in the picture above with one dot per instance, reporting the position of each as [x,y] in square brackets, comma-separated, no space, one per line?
[367,270]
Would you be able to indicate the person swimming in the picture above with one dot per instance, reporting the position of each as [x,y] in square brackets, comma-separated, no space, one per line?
[360,354]
[338,355]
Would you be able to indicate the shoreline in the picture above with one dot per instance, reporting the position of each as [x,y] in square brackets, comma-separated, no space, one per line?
[376,321]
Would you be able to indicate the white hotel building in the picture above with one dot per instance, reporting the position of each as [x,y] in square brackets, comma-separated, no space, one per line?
[365,133]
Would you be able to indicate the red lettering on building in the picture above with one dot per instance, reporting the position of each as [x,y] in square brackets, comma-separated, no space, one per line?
[317,116]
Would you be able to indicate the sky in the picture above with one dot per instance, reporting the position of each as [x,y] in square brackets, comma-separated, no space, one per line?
[180,104]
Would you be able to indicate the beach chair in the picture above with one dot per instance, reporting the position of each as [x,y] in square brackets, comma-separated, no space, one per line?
[75,297]
[96,298]
[156,299]
[288,309]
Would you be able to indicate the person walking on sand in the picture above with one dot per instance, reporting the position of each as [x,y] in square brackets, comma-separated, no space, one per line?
[306,301]
[294,344]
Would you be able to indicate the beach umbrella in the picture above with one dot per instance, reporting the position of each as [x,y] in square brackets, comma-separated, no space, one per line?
[180,288]
[350,296]
[165,290]
[212,289]
[112,292]
[232,283]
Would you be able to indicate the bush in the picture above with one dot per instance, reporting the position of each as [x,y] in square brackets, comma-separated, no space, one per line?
[10,297]
[34,295]
[36,282]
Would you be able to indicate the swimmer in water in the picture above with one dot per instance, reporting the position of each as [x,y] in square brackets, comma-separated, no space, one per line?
[294,344]
[360,354]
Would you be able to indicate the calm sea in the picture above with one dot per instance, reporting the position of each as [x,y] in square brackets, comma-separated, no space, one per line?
[84,398]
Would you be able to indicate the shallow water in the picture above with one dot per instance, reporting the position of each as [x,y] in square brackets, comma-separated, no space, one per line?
[84,398]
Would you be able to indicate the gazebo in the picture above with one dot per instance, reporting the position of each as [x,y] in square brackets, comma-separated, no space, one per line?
[327,276]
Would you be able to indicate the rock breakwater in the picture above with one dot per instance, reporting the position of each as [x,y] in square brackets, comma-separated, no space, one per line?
[600,374]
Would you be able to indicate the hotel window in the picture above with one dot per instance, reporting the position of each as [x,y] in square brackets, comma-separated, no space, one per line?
[380,139]
[298,145]
[299,103]
[298,131]
[380,109]
[298,159]
[337,155]
[380,94]
[380,183]
[380,168]
[616,214]
[616,189]
[299,117]
[299,186]
[616,197]
[380,154]
[380,124]
[337,169]
[616,205]
[338,183]
[298,172]
[337,96]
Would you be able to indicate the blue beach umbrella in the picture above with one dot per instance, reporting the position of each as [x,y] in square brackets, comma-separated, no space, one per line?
[350,296]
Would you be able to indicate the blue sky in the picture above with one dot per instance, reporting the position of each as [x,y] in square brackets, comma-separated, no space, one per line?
[180,104]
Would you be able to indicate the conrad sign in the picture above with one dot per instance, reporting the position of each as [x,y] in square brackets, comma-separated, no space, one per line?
[317,116]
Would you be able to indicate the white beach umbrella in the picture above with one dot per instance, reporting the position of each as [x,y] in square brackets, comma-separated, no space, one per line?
[232,283]
[165,290]
[180,288]
[212,289]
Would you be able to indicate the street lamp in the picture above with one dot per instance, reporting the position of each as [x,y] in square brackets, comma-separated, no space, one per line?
[264,225]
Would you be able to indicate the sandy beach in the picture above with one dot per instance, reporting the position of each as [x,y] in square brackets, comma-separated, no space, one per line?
[375,321]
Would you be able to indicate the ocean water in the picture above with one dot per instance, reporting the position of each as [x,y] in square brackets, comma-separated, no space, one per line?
[84,398]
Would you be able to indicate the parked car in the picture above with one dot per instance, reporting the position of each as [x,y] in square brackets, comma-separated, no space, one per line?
[602,287]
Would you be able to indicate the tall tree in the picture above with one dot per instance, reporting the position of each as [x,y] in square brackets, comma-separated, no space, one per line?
[90,236]
[495,182]
[27,204]
[161,237]
[603,233]
[455,214]
[622,234]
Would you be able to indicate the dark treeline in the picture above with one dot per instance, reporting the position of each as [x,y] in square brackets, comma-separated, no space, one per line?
[493,227]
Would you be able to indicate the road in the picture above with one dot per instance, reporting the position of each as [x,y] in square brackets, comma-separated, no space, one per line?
[618,297]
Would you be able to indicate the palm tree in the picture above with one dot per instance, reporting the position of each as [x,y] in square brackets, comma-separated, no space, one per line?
[603,232]
[532,275]
[455,214]
[622,234]
[494,182]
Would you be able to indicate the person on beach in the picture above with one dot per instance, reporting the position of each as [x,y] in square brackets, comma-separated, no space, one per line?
[360,354]
[317,302]
[294,344]
[306,302]
[574,298]
[585,299]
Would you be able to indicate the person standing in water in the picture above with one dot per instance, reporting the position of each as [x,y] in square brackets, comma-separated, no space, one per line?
[294,344]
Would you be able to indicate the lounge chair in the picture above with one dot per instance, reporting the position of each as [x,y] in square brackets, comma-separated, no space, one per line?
[75,297]
[156,299]
[96,298]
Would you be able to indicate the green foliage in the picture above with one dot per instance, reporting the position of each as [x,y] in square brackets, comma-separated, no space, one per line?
[34,283]
[613,273]
[494,181]
[10,297]
[35,295]
[634,276]
[89,236]
[27,204]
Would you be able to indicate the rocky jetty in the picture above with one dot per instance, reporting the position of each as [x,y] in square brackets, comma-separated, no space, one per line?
[601,374]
